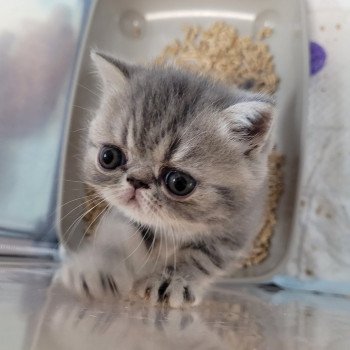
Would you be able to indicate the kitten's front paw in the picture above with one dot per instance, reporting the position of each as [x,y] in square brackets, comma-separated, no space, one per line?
[90,283]
[173,290]
[94,279]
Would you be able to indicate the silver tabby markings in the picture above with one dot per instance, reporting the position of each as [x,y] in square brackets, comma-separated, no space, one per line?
[182,162]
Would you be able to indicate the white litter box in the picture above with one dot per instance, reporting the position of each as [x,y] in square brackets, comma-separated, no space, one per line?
[137,30]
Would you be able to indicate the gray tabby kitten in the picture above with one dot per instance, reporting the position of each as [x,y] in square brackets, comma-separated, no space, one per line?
[182,162]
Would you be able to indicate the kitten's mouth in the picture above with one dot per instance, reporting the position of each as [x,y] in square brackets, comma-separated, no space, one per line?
[131,199]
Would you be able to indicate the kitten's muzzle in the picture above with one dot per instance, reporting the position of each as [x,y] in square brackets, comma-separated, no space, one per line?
[136,183]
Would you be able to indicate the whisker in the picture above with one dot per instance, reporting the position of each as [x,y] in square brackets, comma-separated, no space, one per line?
[171,230]
[173,236]
[89,197]
[157,229]
[95,234]
[149,253]
[81,129]
[78,206]
[141,241]
[166,255]
[160,247]
[77,181]
[83,108]
[71,211]
[91,223]
[87,89]
[77,220]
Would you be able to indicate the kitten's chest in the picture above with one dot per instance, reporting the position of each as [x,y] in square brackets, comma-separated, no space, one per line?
[149,250]
[142,247]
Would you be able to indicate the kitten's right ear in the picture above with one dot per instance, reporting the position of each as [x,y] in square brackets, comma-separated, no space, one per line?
[113,73]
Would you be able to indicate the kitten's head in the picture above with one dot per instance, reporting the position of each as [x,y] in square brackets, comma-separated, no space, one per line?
[174,150]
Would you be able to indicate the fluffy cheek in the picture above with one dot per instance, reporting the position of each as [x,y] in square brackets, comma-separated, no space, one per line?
[185,218]
[115,196]
[150,208]
[109,196]
[205,209]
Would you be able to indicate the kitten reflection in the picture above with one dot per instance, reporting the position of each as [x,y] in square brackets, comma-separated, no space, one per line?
[214,325]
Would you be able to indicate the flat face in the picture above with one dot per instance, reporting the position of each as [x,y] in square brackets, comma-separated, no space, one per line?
[33,317]
[137,31]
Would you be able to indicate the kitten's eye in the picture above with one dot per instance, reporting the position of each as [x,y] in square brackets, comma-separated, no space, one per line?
[179,183]
[111,157]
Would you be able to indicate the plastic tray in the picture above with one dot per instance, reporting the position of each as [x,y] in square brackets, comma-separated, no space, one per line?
[160,21]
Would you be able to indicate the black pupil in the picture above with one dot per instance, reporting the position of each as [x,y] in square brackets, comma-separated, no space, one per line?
[179,183]
[108,156]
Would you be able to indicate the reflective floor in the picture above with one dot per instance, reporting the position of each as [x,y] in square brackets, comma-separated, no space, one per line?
[35,316]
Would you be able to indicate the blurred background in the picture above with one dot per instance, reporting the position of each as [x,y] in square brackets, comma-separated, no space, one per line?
[40,43]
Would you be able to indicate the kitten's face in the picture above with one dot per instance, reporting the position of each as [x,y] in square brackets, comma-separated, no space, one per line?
[175,151]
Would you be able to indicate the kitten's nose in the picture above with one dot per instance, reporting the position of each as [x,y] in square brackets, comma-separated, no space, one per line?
[136,183]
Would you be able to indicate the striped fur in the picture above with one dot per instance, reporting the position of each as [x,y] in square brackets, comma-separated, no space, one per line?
[162,117]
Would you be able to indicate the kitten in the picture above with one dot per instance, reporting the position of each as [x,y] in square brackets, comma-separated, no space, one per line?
[182,162]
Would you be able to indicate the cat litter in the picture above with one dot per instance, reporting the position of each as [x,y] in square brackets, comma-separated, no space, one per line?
[220,52]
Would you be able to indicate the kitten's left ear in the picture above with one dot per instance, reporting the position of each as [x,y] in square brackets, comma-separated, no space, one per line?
[249,123]
[113,73]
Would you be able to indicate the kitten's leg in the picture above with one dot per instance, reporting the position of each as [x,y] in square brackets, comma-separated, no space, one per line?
[184,284]
[104,267]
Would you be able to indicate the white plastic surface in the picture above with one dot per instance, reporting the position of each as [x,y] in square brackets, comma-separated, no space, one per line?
[35,316]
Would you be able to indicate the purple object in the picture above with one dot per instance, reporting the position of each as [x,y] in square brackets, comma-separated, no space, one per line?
[317,57]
